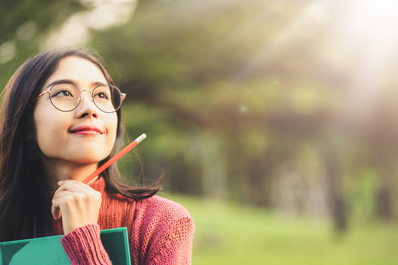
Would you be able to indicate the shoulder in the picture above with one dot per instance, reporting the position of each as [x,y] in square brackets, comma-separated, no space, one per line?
[157,207]
[162,215]
[156,219]
[162,228]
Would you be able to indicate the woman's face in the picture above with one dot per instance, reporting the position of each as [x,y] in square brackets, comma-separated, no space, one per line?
[55,131]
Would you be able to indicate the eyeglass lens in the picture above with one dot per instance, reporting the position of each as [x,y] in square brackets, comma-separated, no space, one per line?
[65,97]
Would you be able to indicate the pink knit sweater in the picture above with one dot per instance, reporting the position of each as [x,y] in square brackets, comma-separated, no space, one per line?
[161,231]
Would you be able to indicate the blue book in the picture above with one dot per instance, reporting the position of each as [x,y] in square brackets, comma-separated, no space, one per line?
[49,251]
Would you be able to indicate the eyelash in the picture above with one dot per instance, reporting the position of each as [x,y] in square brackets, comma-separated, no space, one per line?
[61,91]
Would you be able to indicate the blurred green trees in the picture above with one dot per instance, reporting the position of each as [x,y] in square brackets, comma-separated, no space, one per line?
[241,100]
[23,27]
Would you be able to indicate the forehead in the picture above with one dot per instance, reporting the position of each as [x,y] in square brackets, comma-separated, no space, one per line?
[81,71]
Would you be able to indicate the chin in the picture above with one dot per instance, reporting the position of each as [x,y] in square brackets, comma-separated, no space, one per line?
[86,161]
[86,157]
[89,159]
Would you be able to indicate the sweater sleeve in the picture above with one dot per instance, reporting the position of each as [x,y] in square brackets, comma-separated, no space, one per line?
[83,246]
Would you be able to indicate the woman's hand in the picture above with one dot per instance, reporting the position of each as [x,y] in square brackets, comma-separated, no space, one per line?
[78,203]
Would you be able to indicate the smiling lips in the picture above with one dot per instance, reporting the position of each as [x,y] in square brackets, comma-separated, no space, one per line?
[87,130]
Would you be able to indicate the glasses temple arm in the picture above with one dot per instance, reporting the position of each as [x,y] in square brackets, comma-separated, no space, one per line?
[41,94]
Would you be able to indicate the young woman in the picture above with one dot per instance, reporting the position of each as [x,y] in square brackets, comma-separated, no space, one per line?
[61,120]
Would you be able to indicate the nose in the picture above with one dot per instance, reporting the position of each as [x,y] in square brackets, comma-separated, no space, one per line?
[86,107]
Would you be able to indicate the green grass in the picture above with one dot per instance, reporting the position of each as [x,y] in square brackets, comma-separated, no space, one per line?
[233,234]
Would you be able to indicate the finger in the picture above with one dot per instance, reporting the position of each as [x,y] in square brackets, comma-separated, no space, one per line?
[78,187]
[56,212]
[58,201]
[72,185]
[62,194]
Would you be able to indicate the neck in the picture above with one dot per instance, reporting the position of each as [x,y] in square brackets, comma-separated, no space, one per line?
[58,170]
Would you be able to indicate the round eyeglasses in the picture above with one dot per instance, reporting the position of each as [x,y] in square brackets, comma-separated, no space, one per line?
[67,97]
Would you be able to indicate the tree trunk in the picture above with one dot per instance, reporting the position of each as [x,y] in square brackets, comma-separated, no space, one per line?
[335,194]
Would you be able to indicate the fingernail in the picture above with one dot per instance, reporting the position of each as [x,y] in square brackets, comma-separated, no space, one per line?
[60,182]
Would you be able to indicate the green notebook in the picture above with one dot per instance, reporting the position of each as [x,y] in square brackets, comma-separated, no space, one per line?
[48,250]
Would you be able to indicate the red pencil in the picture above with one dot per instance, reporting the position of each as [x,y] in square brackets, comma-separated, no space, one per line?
[113,159]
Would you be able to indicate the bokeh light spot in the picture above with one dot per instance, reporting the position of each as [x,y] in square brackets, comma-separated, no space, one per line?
[7,51]
[243,109]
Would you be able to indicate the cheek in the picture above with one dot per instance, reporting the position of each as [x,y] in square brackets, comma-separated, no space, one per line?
[112,131]
[51,134]
[50,130]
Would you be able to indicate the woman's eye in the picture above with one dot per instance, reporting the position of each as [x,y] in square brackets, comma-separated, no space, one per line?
[102,95]
[62,93]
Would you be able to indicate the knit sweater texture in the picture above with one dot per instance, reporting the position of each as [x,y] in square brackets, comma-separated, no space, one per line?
[161,231]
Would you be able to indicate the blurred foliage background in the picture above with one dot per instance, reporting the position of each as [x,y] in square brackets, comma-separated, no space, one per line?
[274,121]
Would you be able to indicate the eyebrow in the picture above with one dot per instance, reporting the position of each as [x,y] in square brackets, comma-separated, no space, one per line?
[72,82]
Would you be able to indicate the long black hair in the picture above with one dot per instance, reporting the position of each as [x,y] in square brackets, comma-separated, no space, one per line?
[24,206]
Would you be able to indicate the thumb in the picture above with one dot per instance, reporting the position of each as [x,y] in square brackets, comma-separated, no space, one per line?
[56,212]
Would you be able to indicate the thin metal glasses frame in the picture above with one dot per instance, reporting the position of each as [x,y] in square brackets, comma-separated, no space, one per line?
[122,97]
